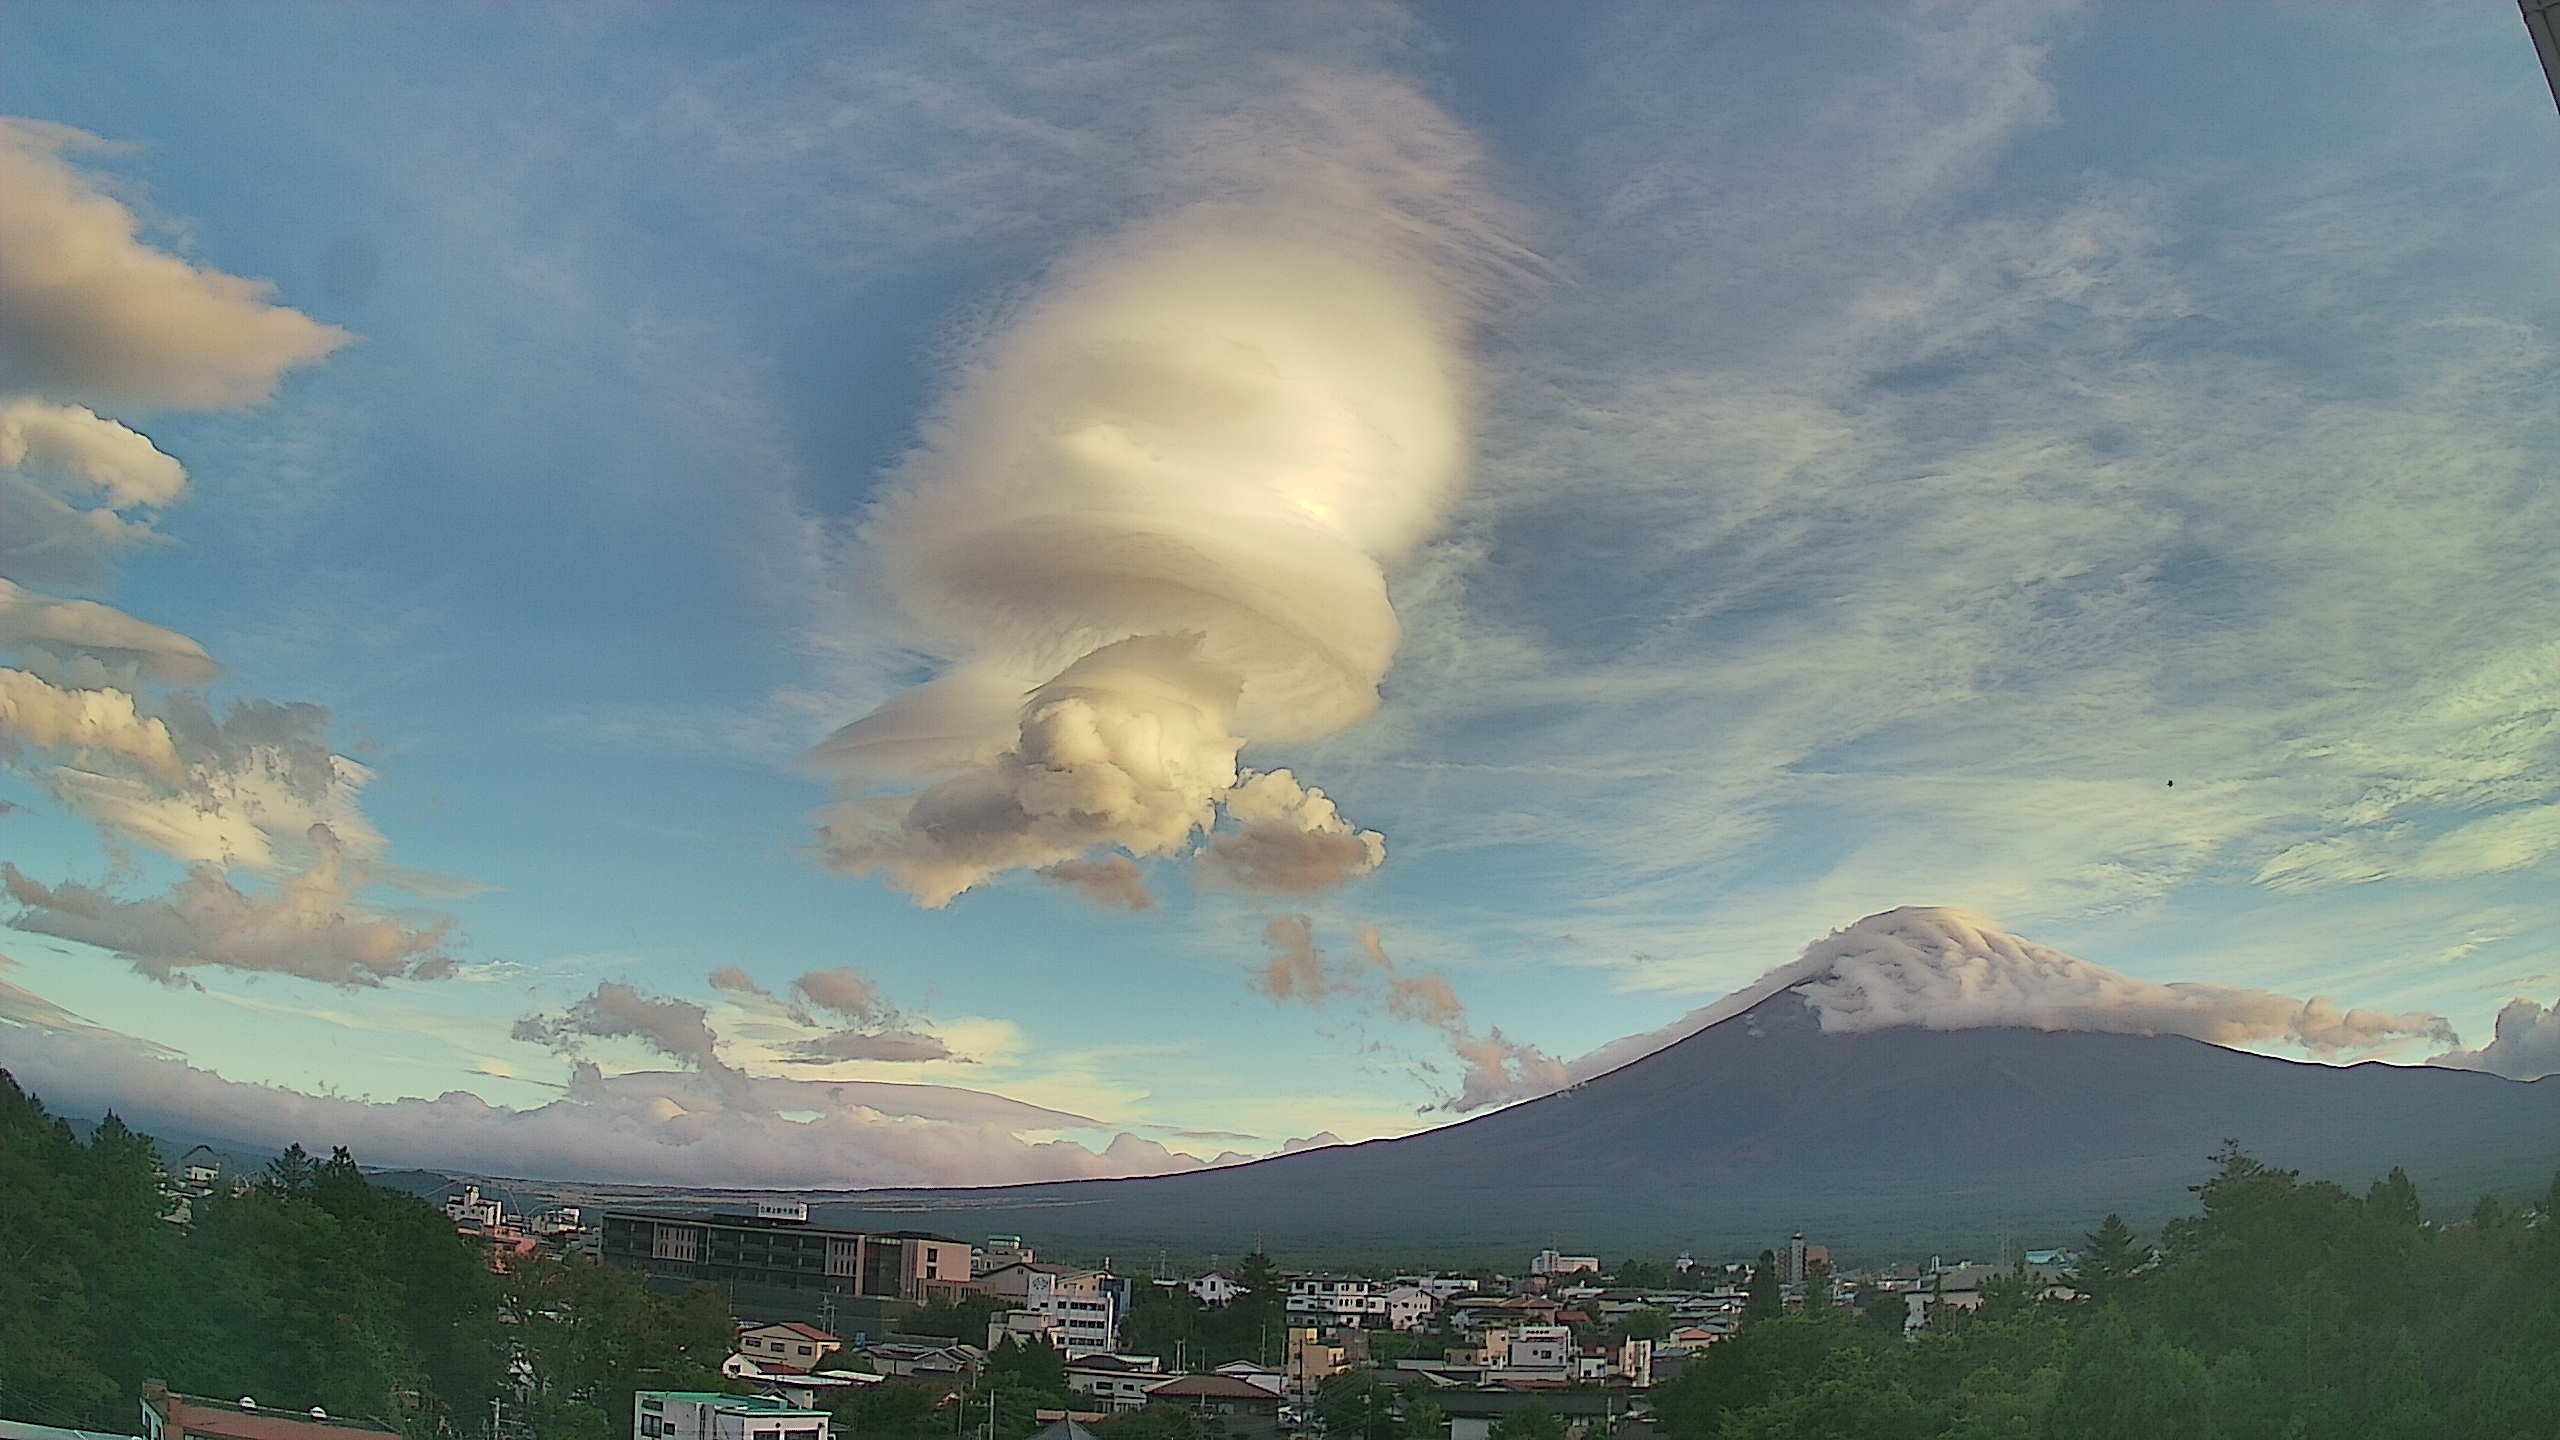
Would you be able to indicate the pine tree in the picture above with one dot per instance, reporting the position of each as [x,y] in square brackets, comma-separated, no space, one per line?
[2110,1256]
[1764,1298]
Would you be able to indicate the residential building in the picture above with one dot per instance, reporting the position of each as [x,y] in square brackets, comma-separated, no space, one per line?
[1349,1300]
[790,1343]
[1550,1265]
[709,1415]
[1316,1356]
[781,1253]
[1086,1304]
[1116,1382]
[1226,1406]
[1442,1288]
[1528,1354]
[560,1220]
[1026,1326]
[999,1252]
[468,1206]
[1215,1288]
[903,1360]
[167,1416]
[1252,1374]
[1069,1428]
[200,1169]
[1471,1313]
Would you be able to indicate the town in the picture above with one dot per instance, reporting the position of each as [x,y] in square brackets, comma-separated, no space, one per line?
[315,1301]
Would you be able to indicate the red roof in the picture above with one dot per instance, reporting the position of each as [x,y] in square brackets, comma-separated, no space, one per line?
[214,1418]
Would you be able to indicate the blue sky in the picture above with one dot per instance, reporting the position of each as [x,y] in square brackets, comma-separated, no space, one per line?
[1886,450]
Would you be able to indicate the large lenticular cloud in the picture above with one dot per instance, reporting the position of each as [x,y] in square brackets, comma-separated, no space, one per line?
[1151,528]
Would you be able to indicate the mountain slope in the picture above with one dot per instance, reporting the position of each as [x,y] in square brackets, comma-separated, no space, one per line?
[1896,1140]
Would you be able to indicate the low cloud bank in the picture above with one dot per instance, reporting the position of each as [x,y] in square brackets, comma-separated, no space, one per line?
[310,927]
[2525,1046]
[638,1128]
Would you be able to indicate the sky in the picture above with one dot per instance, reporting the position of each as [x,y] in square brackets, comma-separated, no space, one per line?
[940,595]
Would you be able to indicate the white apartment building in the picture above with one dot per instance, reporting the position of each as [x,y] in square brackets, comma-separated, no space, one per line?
[1549,1263]
[709,1415]
[469,1207]
[1369,1304]
[1079,1302]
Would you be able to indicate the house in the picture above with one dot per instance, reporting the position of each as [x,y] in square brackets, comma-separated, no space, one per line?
[168,1416]
[1215,1288]
[1527,1354]
[560,1220]
[905,1361]
[791,1343]
[709,1415]
[807,1392]
[1252,1374]
[1116,1382]
[199,1169]
[1407,1307]
[1226,1406]
[1442,1288]
[1475,1312]
[1065,1429]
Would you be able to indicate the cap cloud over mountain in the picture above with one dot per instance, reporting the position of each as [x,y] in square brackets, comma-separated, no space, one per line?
[1946,968]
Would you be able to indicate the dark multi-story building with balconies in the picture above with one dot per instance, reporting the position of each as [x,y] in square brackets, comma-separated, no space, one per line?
[780,1255]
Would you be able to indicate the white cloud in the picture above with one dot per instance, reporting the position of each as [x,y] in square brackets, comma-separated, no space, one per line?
[1289,839]
[632,1128]
[309,927]
[88,725]
[1149,526]
[1943,968]
[114,646]
[89,312]
[1113,882]
[2526,1045]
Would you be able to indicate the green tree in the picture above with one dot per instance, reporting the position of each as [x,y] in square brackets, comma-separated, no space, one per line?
[2123,1383]
[1029,1365]
[963,1319]
[1817,1285]
[1167,1421]
[1765,1297]
[1529,1422]
[2109,1258]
